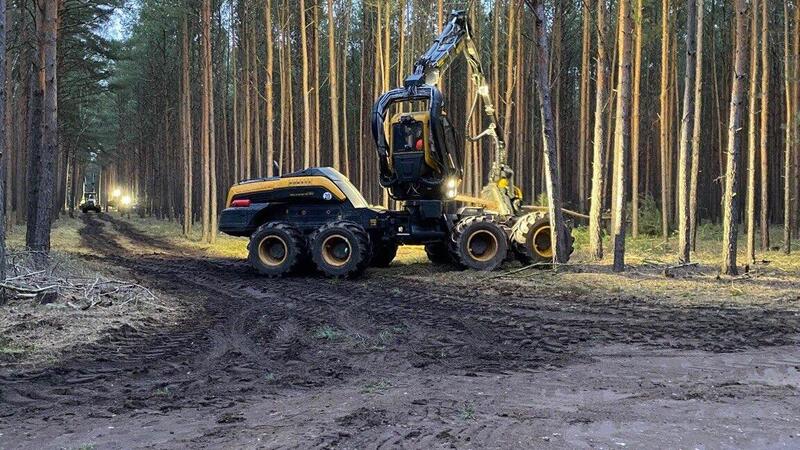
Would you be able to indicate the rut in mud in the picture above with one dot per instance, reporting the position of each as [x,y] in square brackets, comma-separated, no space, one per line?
[254,338]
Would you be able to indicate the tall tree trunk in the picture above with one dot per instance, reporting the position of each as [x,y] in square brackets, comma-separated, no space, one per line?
[40,205]
[583,138]
[621,136]
[269,70]
[186,127]
[752,131]
[788,175]
[697,128]
[559,235]
[599,151]
[334,87]
[687,131]
[307,132]
[3,136]
[205,139]
[730,200]
[635,118]
[764,153]
[512,14]
[664,118]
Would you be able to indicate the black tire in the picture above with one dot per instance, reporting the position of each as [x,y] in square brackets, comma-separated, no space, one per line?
[383,254]
[276,249]
[530,239]
[340,249]
[478,242]
[438,253]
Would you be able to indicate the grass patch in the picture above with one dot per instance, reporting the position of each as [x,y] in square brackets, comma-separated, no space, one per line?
[328,333]
[376,387]
[467,412]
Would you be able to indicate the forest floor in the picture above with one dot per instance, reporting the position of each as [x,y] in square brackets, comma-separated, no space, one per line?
[415,355]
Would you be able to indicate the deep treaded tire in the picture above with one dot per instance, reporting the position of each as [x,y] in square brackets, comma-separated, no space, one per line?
[340,249]
[438,253]
[276,249]
[478,242]
[530,239]
[383,254]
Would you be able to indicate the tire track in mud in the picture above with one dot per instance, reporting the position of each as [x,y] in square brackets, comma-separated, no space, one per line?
[253,336]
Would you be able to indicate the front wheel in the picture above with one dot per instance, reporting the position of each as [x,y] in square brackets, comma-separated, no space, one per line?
[275,249]
[479,243]
[341,249]
[531,241]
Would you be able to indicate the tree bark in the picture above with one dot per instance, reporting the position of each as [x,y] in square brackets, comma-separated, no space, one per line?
[664,118]
[583,138]
[687,131]
[40,205]
[730,200]
[788,174]
[599,151]
[752,131]
[186,127]
[697,128]
[307,136]
[3,136]
[636,119]
[559,235]
[764,153]
[269,130]
[334,88]
[621,136]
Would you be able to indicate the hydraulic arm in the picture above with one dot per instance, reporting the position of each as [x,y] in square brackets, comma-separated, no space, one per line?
[404,173]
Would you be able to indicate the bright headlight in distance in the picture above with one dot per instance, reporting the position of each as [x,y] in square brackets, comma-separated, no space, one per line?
[126,200]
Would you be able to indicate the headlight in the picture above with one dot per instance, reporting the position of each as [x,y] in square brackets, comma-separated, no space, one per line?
[116,193]
[127,200]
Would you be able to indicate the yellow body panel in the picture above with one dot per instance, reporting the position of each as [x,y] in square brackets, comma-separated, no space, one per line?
[281,183]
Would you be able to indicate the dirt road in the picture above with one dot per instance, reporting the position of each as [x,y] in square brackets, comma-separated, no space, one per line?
[407,358]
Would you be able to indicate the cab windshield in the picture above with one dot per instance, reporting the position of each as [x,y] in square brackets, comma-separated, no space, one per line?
[351,193]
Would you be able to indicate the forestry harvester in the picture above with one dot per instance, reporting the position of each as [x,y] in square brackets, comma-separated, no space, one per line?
[318,215]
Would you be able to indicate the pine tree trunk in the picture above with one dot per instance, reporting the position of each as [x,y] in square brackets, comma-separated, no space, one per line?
[788,174]
[621,136]
[269,131]
[512,8]
[3,136]
[334,88]
[307,132]
[730,199]
[764,153]
[205,139]
[599,151]
[697,128]
[40,205]
[636,119]
[559,235]
[687,131]
[583,138]
[186,127]
[664,118]
[752,131]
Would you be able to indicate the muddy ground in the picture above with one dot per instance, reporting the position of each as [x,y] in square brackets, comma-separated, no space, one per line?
[412,356]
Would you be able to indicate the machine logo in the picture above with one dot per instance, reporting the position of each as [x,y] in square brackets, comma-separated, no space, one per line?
[327,196]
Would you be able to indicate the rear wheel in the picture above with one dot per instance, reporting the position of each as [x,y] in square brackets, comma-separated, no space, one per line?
[275,249]
[383,254]
[341,249]
[479,243]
